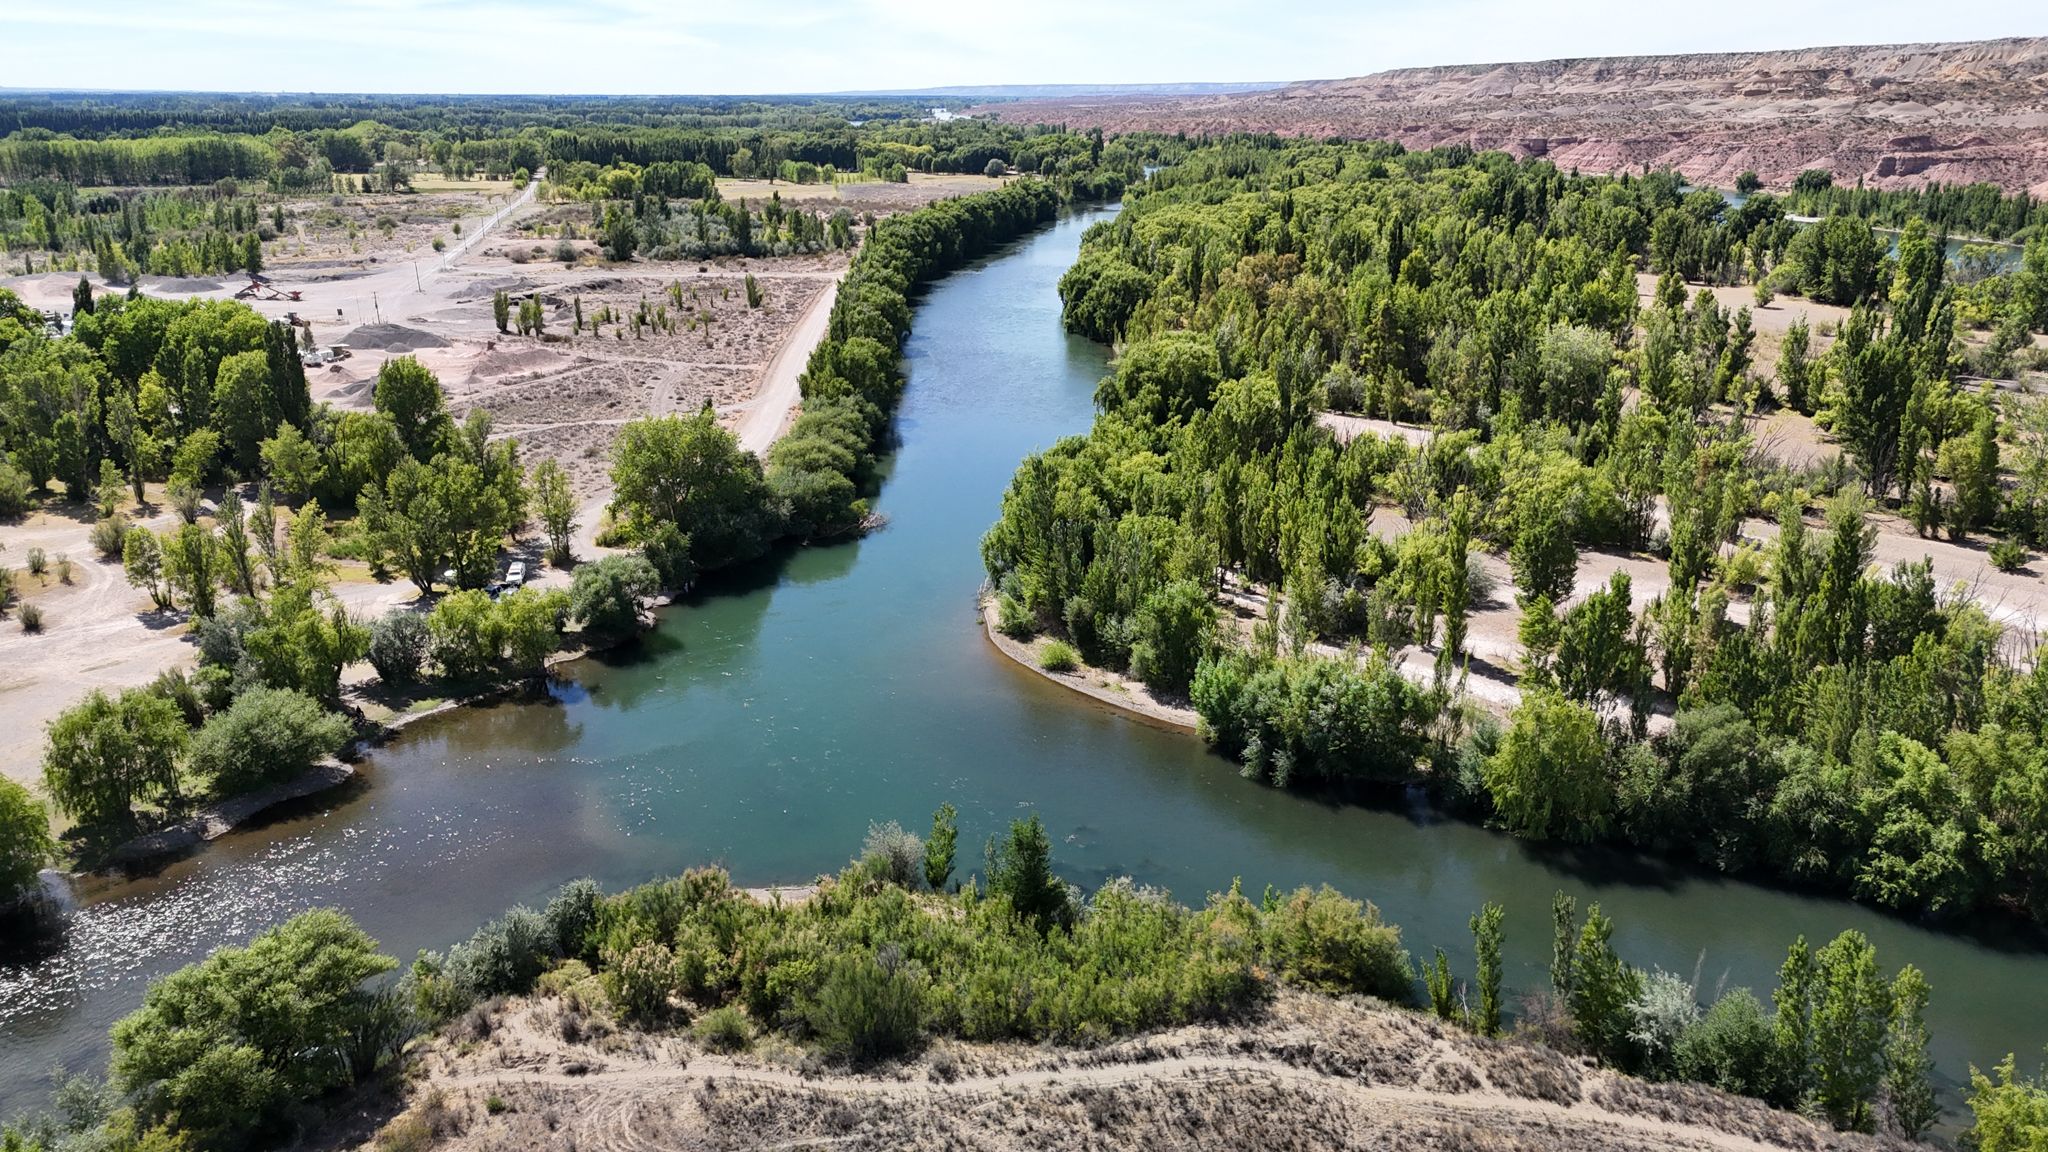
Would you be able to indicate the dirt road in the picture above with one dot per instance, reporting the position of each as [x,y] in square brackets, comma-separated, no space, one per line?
[769,411]
[1308,1072]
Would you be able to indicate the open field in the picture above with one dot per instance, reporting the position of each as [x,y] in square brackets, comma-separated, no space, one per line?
[1307,1073]
[864,196]
[436,182]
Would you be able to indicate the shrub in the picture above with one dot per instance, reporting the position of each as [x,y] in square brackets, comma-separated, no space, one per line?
[2008,555]
[1731,1047]
[38,562]
[267,734]
[892,855]
[565,251]
[1321,940]
[504,957]
[1664,1011]
[108,536]
[724,1029]
[31,618]
[605,595]
[398,647]
[572,917]
[1012,618]
[1059,656]
[643,982]
[871,1006]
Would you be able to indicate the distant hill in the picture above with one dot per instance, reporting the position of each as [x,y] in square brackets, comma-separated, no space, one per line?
[999,92]
[1901,114]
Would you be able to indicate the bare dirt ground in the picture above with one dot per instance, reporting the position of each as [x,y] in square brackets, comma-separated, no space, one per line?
[1891,115]
[98,631]
[1306,1073]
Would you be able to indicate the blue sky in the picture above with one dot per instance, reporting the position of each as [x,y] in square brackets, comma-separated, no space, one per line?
[740,46]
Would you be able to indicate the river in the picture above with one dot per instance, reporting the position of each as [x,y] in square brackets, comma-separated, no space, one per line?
[767,723]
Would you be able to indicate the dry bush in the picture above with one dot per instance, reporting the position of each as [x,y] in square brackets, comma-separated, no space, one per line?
[425,1124]
[1451,1077]
[1528,1071]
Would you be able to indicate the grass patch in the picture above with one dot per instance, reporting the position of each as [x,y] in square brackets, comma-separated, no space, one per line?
[1058,656]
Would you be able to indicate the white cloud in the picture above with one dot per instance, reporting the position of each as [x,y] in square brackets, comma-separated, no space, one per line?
[729,46]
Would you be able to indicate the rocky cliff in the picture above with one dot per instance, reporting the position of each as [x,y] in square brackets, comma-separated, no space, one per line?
[1894,115]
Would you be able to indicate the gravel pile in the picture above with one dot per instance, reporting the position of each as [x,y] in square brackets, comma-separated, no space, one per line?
[392,338]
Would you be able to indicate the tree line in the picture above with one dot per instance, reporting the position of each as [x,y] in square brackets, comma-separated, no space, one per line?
[693,501]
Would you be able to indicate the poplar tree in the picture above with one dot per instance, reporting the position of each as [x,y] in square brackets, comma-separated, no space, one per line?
[1486,941]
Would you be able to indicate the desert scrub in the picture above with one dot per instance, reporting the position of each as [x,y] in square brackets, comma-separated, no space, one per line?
[724,1029]
[108,536]
[1059,656]
[31,618]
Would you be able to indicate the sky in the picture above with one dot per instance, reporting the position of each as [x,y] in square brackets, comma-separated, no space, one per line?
[751,46]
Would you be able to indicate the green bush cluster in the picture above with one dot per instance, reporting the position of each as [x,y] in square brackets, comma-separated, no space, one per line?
[1313,718]
[472,637]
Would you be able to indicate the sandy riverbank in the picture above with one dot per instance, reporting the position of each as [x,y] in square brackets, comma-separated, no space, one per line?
[1100,684]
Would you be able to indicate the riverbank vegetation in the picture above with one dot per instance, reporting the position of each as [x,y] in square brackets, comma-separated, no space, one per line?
[1778,707]
[879,962]
[694,501]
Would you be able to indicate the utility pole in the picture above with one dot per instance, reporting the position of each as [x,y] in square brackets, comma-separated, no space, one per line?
[416,277]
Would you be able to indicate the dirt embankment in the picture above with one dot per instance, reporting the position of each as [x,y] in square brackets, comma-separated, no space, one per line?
[1308,1073]
[1892,115]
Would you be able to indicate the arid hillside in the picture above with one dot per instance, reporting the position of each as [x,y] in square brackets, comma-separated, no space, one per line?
[1893,115]
[1311,1073]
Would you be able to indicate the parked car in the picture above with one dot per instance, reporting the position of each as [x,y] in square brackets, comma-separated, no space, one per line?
[515,575]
